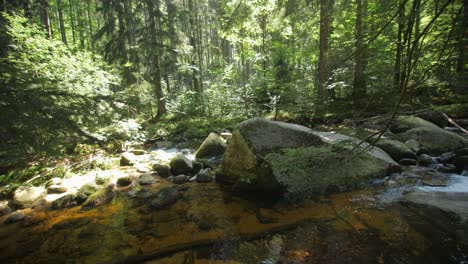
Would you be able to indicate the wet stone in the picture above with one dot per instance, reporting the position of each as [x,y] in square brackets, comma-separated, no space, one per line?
[408,162]
[165,197]
[204,176]
[124,181]
[425,160]
[162,170]
[147,179]
[15,217]
[4,208]
[56,189]
[180,179]
[447,157]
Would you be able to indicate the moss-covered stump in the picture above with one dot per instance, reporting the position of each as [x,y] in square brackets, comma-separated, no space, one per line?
[274,156]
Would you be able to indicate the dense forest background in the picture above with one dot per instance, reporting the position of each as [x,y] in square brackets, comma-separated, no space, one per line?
[100,71]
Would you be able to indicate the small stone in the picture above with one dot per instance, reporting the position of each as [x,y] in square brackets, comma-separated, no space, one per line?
[162,170]
[180,179]
[138,151]
[447,157]
[15,217]
[449,168]
[4,208]
[180,164]
[408,162]
[124,181]
[197,166]
[147,179]
[56,189]
[425,160]
[204,176]
[142,168]
[128,159]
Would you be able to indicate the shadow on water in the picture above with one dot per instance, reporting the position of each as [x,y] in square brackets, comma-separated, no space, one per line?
[211,224]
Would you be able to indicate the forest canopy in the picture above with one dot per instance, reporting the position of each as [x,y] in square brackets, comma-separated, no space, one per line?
[73,70]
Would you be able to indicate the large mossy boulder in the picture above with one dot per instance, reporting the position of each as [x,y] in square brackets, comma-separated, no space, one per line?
[405,123]
[213,146]
[277,156]
[396,149]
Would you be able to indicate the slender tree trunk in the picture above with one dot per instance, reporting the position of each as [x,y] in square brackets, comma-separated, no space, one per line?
[61,22]
[155,53]
[359,70]
[72,21]
[399,48]
[323,67]
[90,24]
[463,40]
[45,18]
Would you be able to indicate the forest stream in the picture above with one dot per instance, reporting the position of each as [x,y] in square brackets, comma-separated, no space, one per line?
[209,223]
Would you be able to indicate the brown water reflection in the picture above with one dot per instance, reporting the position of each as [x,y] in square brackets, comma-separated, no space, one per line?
[210,225]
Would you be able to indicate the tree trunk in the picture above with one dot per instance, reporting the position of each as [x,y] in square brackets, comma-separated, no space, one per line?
[359,70]
[399,48]
[45,17]
[462,41]
[323,70]
[155,53]
[61,22]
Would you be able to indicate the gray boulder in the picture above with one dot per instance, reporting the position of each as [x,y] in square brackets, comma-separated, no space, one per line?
[180,164]
[434,139]
[165,197]
[273,156]
[27,196]
[147,179]
[404,123]
[396,149]
[213,146]
[434,117]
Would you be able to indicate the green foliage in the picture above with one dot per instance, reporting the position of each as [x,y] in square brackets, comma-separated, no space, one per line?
[194,128]
[50,95]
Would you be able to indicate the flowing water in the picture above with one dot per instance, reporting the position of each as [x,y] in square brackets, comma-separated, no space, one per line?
[211,224]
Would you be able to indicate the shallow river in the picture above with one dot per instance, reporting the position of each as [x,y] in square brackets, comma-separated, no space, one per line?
[210,224]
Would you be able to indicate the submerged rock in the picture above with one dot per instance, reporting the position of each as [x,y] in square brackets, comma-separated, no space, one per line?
[99,197]
[15,217]
[180,179]
[147,179]
[69,200]
[213,146]
[180,164]
[204,176]
[270,155]
[27,196]
[165,197]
